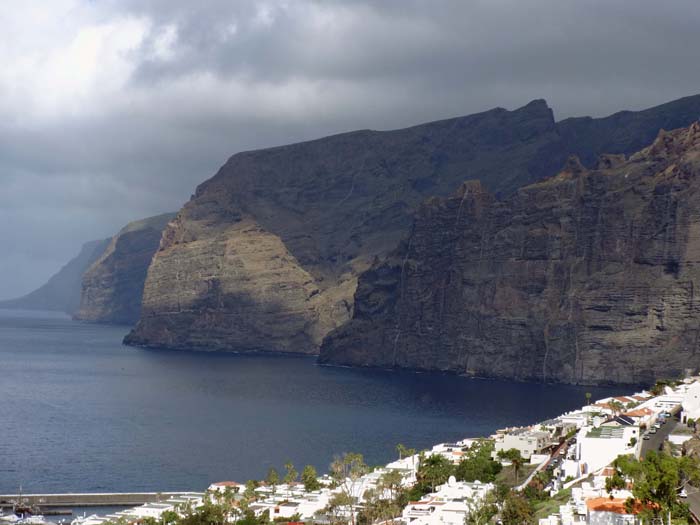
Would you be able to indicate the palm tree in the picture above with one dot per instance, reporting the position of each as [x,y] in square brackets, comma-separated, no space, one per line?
[402,450]
[516,460]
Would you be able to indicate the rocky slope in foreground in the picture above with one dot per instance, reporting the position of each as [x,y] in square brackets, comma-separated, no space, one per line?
[265,256]
[587,277]
[61,292]
[112,286]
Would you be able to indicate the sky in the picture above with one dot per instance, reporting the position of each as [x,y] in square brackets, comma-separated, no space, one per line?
[114,110]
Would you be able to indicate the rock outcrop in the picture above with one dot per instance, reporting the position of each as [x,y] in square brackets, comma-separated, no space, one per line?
[112,286]
[61,292]
[586,277]
[266,254]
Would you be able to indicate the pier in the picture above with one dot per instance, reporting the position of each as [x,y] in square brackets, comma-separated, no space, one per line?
[106,499]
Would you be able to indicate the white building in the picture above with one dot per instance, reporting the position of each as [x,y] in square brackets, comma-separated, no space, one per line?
[149,510]
[567,515]
[223,486]
[606,511]
[454,452]
[597,447]
[526,441]
[691,402]
[450,504]
[671,402]
[408,467]
[286,501]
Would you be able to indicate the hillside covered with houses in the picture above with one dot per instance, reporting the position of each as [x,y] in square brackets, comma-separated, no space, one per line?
[615,461]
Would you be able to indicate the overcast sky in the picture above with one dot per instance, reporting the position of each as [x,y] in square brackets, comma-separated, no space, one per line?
[112,110]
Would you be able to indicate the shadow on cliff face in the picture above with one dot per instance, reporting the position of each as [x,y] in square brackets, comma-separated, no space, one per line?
[230,322]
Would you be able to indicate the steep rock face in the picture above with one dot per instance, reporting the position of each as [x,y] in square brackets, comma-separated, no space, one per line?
[587,277]
[265,256]
[323,211]
[112,286]
[62,291]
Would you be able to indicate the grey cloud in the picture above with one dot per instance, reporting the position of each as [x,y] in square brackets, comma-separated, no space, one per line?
[312,68]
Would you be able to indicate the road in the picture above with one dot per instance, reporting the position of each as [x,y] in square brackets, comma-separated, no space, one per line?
[693,501]
[556,454]
[658,438]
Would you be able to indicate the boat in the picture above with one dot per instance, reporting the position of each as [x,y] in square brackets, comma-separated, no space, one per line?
[9,518]
[37,519]
[82,519]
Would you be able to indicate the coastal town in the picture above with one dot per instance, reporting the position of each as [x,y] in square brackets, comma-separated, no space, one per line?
[582,467]
[349,262]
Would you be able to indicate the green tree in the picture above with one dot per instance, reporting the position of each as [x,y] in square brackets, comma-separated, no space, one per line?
[390,482]
[481,510]
[535,489]
[248,517]
[405,495]
[516,460]
[291,475]
[338,507]
[477,464]
[377,507]
[402,450]
[273,478]
[656,482]
[383,502]
[616,407]
[588,398]
[433,471]
[659,387]
[346,470]
[249,492]
[169,517]
[309,478]
[517,510]
[207,514]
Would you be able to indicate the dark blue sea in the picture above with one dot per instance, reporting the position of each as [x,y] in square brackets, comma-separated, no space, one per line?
[81,412]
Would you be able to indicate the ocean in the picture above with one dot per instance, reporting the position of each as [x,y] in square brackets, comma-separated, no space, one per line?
[80,412]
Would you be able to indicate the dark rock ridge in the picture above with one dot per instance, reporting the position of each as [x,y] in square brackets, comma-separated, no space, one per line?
[625,131]
[586,277]
[266,254]
[61,292]
[112,286]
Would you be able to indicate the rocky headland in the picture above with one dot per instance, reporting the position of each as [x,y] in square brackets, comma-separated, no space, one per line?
[112,286]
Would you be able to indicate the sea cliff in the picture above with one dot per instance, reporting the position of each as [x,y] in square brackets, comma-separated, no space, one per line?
[586,277]
[112,287]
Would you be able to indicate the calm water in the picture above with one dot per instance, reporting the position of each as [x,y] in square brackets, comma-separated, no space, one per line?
[81,412]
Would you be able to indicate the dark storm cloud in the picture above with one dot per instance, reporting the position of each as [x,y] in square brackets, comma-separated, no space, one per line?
[88,143]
